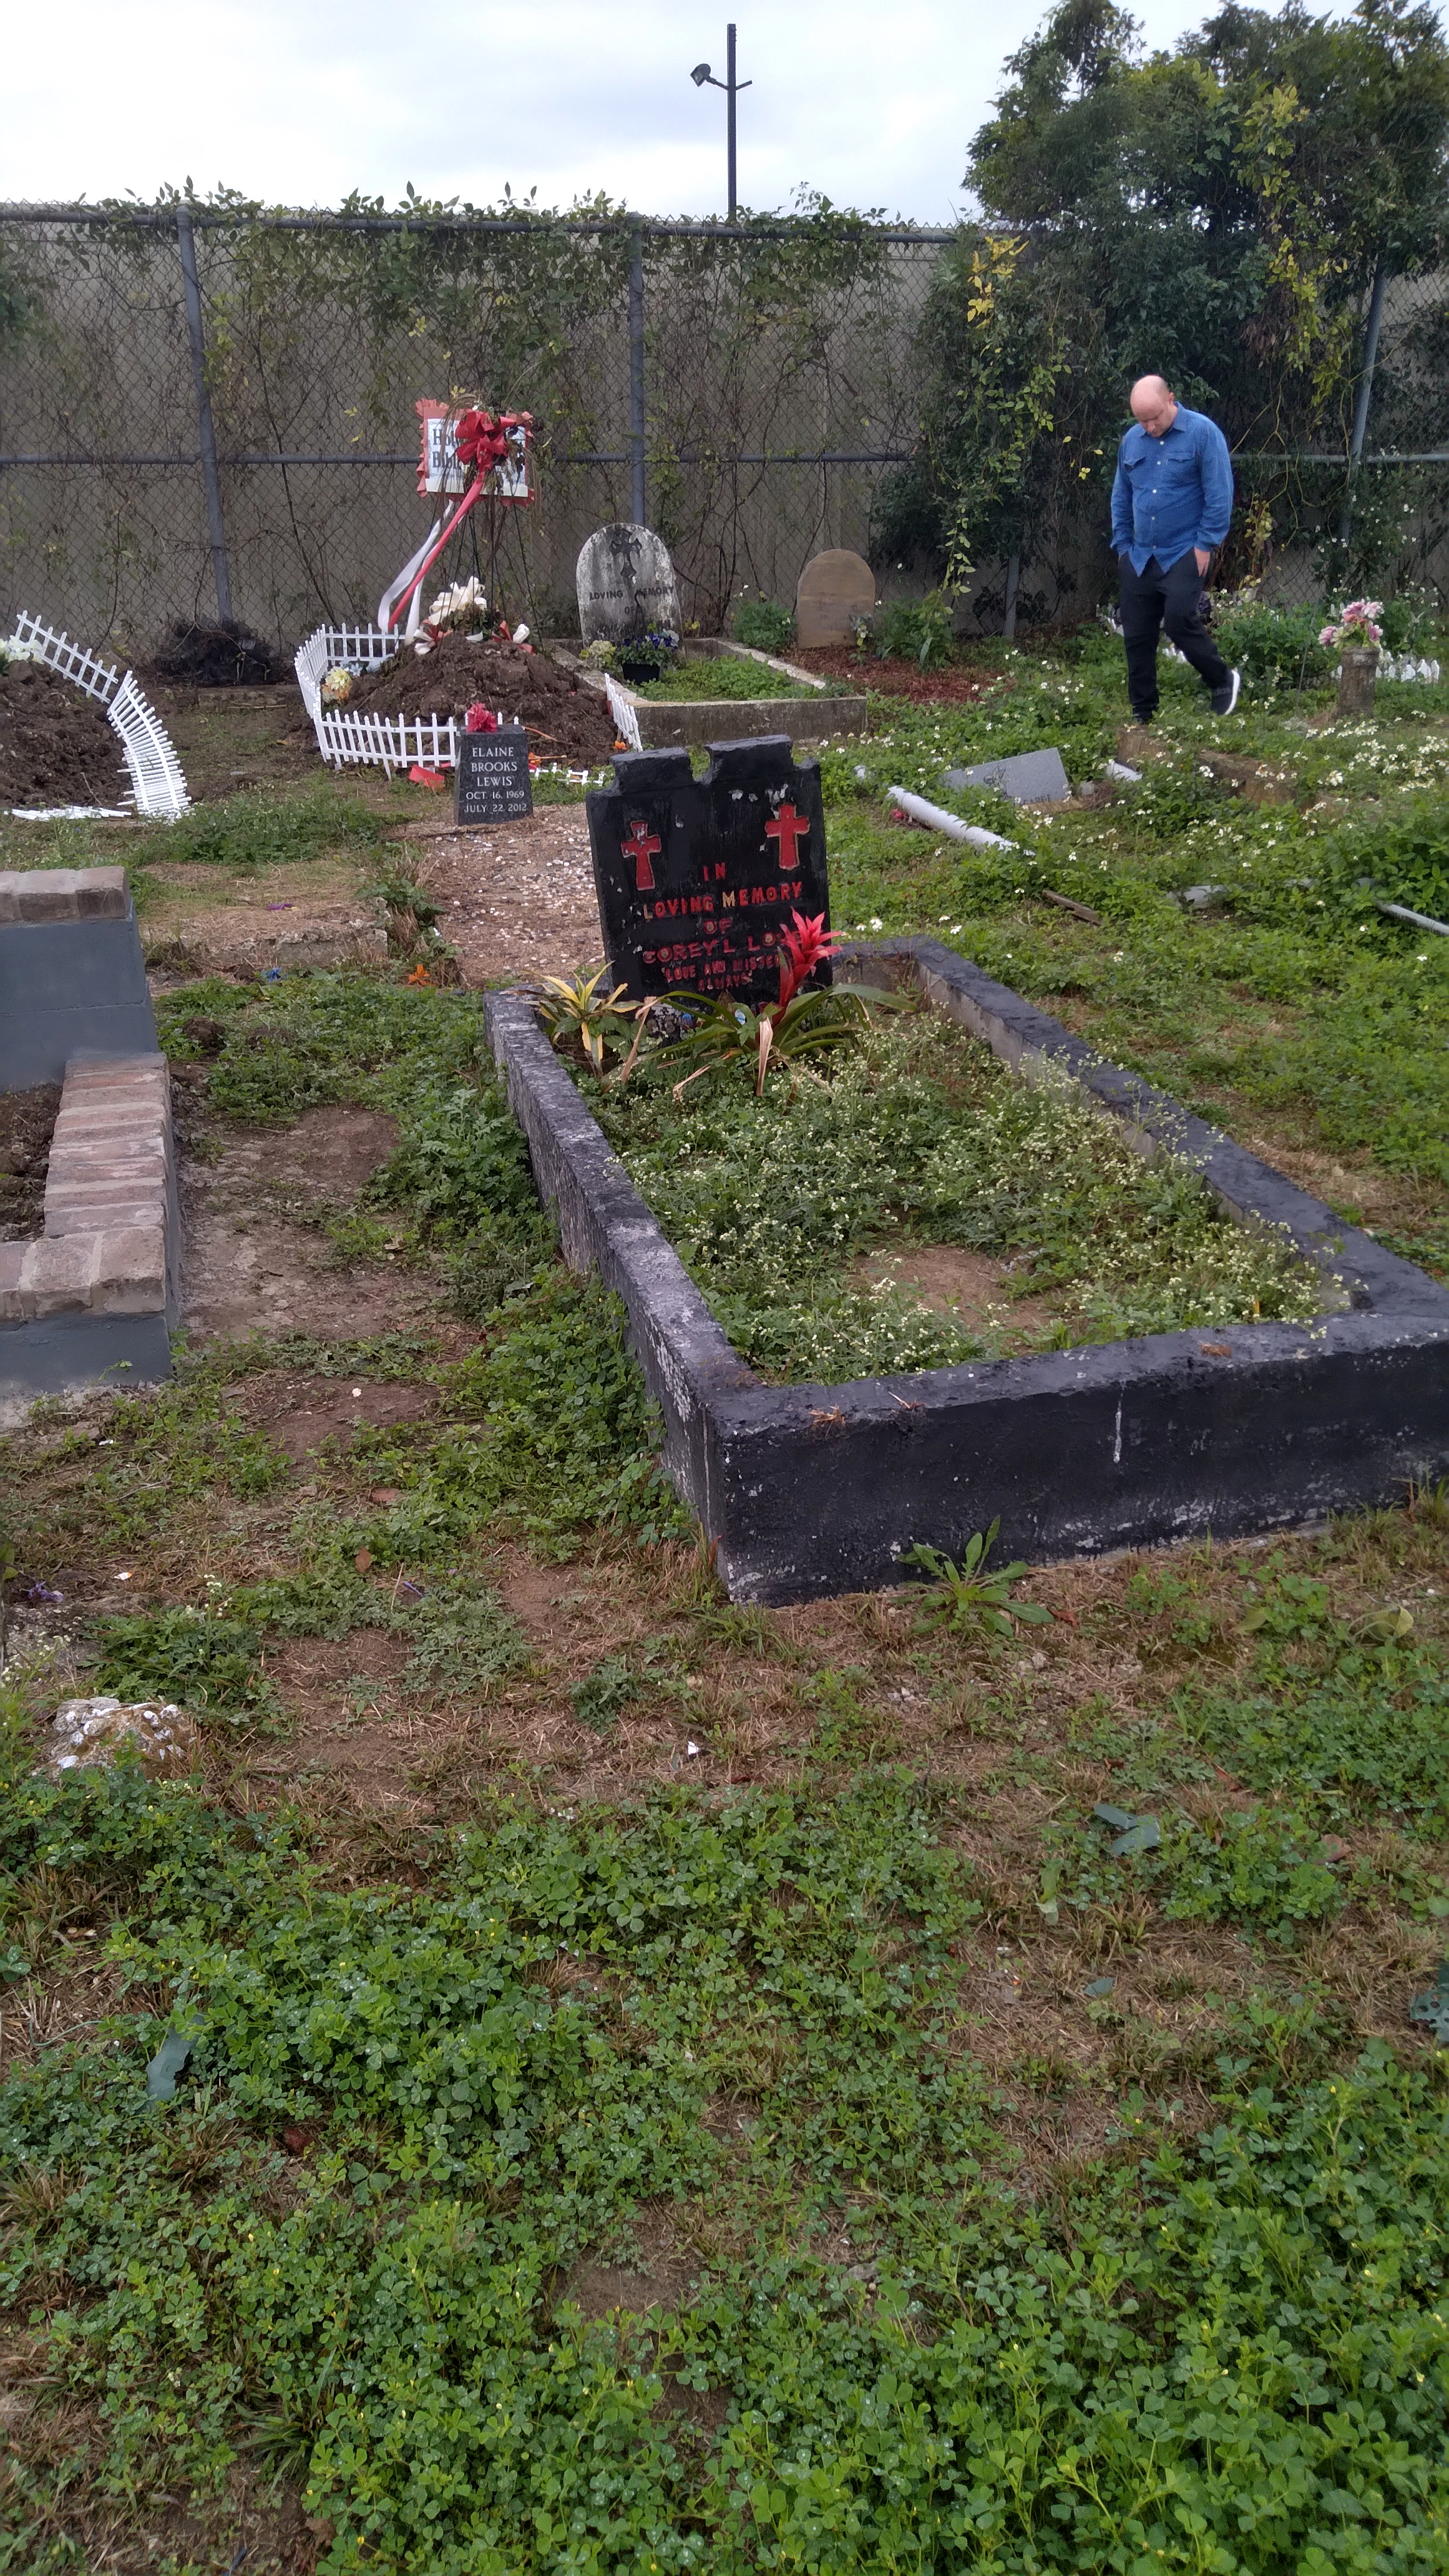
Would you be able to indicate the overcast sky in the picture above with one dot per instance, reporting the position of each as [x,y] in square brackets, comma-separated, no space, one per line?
[299,103]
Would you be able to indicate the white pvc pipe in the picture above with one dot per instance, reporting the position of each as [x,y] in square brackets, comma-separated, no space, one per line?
[1421,920]
[936,819]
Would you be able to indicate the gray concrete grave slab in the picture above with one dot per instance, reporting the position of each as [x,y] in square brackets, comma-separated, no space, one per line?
[1028,778]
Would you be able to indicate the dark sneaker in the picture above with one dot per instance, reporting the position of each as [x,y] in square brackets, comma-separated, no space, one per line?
[1226,698]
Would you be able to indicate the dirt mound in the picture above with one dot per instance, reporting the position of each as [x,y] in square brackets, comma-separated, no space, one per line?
[56,747]
[565,720]
[215,657]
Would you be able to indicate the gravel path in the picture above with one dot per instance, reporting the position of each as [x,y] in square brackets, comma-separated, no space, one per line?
[517,901]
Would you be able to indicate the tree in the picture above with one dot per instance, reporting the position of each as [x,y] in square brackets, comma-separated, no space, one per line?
[1213,213]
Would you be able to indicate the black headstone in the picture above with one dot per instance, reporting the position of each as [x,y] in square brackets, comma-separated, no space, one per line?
[697,877]
[491,783]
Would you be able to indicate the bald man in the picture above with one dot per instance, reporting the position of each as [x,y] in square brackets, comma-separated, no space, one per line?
[1172,500]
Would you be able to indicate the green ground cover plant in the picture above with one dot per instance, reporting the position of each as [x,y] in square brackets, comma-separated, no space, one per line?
[918,1136]
[342,2252]
[724,677]
[673,2085]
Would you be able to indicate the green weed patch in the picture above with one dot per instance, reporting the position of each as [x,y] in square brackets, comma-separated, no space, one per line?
[344,2250]
[921,1137]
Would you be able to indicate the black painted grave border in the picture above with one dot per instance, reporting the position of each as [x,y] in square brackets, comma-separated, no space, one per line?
[809,1490]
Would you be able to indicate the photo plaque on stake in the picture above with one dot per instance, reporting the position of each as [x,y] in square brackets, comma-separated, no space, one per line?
[491,783]
[697,877]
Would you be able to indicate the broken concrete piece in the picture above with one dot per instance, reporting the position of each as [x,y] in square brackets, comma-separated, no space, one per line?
[1031,778]
[85,1731]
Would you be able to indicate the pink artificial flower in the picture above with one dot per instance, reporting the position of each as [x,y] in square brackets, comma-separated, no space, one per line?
[480,719]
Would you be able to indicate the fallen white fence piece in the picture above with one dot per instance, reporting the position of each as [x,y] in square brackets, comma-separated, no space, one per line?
[157,785]
[936,819]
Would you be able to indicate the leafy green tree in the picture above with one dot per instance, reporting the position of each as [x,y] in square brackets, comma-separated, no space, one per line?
[1213,213]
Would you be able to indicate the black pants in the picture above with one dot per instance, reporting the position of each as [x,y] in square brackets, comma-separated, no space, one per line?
[1152,599]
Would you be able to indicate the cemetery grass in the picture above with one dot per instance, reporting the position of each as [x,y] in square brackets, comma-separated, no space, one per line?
[918,1149]
[677,2085]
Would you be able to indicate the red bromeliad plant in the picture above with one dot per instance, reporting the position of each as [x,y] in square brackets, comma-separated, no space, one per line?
[726,1030]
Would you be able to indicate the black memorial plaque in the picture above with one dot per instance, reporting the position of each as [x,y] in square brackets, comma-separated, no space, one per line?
[492,783]
[697,877]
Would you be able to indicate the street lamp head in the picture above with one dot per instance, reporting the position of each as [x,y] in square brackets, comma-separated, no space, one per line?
[700,75]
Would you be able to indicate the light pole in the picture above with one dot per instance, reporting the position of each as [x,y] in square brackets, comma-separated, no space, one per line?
[731,87]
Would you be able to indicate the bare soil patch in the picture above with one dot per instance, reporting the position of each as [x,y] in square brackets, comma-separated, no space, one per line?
[200,921]
[566,720]
[303,1415]
[27,1122]
[56,747]
[248,1269]
[895,677]
[970,1286]
[665,2276]
[519,902]
[230,739]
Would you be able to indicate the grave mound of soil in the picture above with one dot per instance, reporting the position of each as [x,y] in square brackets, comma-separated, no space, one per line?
[27,1120]
[565,720]
[215,657]
[56,747]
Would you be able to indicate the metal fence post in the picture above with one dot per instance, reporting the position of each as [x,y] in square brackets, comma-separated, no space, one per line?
[1361,406]
[636,373]
[206,434]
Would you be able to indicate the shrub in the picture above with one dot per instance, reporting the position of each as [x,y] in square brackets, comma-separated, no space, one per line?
[764,624]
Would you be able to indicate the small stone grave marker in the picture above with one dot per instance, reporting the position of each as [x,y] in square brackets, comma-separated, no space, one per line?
[697,877]
[835,589]
[626,585]
[491,783]
[1031,778]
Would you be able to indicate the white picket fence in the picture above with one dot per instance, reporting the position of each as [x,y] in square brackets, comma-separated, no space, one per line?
[626,720]
[346,735]
[158,787]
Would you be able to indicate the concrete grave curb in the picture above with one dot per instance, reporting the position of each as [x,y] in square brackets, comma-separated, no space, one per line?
[96,1293]
[809,1490]
[72,975]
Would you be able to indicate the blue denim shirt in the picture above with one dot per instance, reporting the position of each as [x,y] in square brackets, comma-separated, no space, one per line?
[1171,493]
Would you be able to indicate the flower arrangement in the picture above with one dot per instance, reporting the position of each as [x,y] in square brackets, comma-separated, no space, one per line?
[460,610]
[480,719]
[337,687]
[1356,625]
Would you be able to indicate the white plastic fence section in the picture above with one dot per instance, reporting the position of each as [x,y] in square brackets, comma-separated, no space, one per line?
[157,784]
[332,648]
[393,742]
[98,679]
[626,721]
[156,777]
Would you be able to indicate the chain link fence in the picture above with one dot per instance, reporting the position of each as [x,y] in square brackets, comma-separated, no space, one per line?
[744,390]
[206,409]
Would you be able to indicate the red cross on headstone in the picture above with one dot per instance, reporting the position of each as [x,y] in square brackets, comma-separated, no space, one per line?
[640,847]
[787,827]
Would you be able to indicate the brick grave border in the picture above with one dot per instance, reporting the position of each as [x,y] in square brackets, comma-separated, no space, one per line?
[808,1490]
[93,1297]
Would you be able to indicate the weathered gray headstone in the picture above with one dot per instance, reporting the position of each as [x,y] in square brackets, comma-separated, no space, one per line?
[626,586]
[835,589]
[1031,778]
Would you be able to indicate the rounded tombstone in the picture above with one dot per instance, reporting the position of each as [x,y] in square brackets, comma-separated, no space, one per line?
[835,589]
[626,586]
